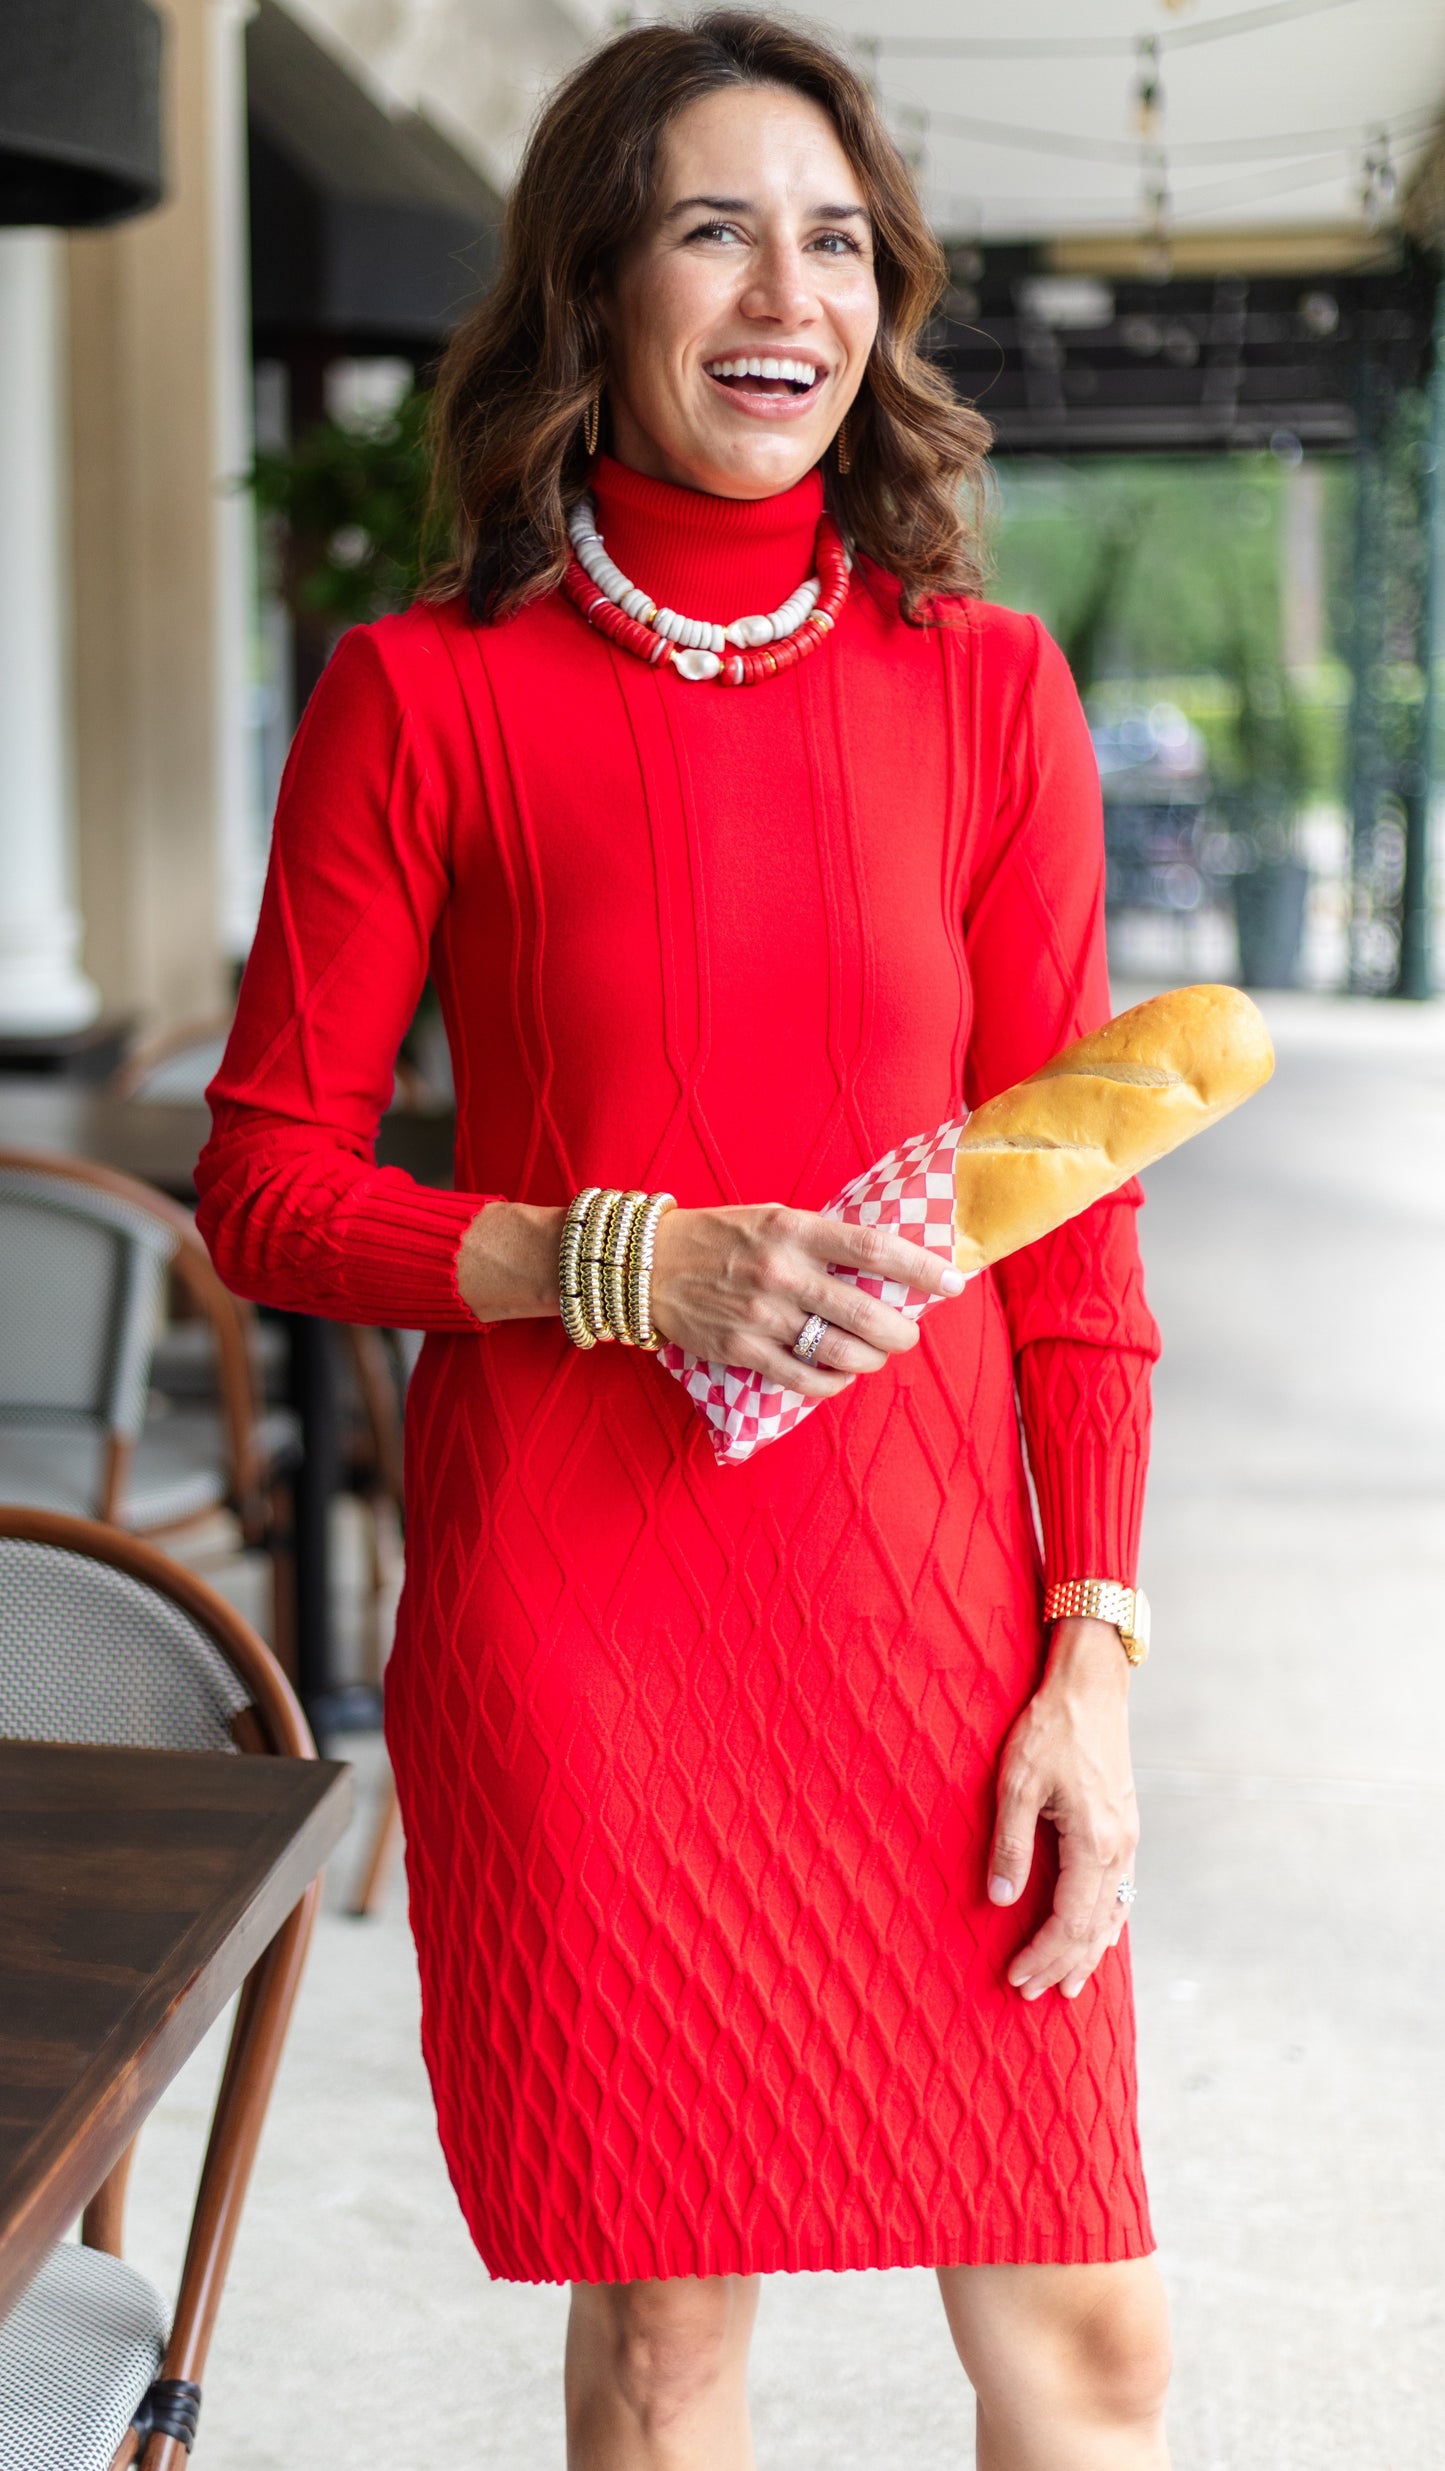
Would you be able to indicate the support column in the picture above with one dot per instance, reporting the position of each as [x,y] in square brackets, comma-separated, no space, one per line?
[240,826]
[1367,652]
[160,649]
[42,987]
[1415,975]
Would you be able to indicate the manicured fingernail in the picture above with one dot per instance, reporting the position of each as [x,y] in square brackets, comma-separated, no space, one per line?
[1033,1990]
[953,1282]
[1002,1891]
[1072,1989]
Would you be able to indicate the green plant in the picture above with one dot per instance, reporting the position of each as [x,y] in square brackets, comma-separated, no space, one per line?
[353,534]
[1091,612]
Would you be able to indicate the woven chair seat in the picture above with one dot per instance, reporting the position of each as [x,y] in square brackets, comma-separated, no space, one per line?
[178,1471]
[77,2354]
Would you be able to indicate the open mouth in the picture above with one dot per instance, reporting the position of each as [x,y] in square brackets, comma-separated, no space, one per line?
[788,380]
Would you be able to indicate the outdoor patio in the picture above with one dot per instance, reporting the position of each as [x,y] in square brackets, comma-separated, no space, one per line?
[1293,2023]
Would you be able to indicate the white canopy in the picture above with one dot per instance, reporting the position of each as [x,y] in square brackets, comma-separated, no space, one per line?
[1035,120]
[1024,116]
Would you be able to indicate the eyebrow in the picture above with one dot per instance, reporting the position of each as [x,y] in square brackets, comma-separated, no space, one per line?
[744,205]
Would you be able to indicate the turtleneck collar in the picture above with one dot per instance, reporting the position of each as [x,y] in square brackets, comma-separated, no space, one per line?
[707,557]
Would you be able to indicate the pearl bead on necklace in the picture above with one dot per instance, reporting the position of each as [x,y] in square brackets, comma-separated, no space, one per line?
[739,654]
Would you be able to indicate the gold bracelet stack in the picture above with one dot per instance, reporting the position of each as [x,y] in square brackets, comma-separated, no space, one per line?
[604,1272]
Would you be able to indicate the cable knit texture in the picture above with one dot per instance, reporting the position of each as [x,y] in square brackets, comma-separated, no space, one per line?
[696,1761]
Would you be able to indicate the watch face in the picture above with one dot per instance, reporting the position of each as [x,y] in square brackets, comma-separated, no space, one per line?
[1141,1617]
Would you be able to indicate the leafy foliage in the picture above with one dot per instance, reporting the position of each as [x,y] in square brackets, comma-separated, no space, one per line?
[353,537]
[1153,570]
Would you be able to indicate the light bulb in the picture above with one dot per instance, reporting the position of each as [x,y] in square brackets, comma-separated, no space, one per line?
[1148,97]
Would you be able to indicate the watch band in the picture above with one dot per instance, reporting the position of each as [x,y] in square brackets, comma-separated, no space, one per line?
[1103,1600]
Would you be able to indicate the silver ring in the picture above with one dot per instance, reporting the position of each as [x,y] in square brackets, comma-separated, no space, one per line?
[1125,1892]
[810,1339]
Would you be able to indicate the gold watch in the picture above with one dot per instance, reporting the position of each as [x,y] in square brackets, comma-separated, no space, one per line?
[1104,1600]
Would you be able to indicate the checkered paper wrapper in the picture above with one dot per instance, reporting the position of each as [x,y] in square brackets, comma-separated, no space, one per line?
[911,1189]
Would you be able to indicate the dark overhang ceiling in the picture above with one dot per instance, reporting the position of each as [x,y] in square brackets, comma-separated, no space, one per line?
[1065,364]
[80,111]
[368,229]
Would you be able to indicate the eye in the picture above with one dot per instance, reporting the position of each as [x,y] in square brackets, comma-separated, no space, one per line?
[714,231]
[836,244]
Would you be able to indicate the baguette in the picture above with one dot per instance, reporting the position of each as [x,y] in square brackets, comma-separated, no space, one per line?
[1109,1105]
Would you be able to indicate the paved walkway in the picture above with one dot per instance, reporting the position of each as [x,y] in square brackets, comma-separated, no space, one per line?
[1288,1941]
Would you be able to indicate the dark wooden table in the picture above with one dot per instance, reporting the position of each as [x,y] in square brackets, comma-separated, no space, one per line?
[160,1143]
[137,1889]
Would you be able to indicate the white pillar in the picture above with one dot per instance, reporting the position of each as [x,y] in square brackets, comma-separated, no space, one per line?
[42,987]
[240,823]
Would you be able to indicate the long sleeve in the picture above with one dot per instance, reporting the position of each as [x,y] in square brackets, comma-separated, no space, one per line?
[1082,1334]
[292,1204]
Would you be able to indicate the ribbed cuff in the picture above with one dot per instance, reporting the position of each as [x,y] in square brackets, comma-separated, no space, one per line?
[401,1242]
[1086,1413]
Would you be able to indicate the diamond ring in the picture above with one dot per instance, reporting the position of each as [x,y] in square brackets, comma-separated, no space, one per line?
[810,1339]
[1125,1892]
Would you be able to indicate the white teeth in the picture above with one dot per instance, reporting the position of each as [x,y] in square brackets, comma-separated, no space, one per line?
[797,372]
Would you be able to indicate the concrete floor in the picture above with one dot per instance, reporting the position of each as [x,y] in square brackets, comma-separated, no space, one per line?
[1287,1937]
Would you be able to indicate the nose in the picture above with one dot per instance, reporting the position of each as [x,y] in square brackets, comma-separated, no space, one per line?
[778,292]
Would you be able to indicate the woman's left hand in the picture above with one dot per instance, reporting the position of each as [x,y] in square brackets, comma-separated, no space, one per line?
[1067,1760]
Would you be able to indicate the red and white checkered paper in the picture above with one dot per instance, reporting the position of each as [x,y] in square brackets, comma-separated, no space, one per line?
[911,1189]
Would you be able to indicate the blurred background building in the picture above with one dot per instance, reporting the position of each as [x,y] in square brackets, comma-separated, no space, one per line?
[1194,253]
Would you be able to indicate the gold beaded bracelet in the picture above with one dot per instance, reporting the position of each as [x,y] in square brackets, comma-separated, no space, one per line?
[569,1270]
[639,1269]
[619,1238]
[604,1269]
[595,1229]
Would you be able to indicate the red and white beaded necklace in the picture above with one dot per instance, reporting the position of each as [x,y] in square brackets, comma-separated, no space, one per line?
[740,654]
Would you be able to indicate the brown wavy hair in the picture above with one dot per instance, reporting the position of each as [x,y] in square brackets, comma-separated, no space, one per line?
[517,378]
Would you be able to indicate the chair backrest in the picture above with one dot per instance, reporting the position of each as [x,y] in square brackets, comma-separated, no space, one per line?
[82,1284]
[89,1360]
[105,1640]
[178,1066]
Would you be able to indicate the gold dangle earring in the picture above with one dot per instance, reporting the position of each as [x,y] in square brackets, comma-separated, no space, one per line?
[591,423]
[845,460]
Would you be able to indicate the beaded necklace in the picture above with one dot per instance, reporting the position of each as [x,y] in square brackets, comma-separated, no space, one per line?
[740,654]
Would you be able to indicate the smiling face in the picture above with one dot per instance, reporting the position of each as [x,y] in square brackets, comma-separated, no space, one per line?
[741,319]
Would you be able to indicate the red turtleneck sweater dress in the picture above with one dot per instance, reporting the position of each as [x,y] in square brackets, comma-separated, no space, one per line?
[697,1762]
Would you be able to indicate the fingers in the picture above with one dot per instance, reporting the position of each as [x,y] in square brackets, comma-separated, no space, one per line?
[1087,1920]
[812,1381]
[884,1254]
[1020,1800]
[738,1284]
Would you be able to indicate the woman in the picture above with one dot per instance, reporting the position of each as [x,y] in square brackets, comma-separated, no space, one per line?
[741,1948]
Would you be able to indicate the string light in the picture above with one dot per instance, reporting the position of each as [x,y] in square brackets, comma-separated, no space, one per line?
[1148,101]
[1156,256]
[1344,143]
[1380,185]
[1098,46]
[1379,177]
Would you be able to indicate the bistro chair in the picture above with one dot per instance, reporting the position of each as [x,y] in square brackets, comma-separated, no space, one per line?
[178,1067]
[86,1255]
[105,1640]
[383,1362]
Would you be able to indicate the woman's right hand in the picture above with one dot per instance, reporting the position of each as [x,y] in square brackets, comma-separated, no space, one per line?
[735,1286]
